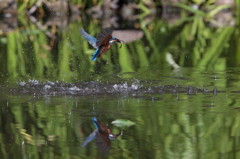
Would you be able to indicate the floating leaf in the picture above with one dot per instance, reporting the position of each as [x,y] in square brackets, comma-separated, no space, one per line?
[122,123]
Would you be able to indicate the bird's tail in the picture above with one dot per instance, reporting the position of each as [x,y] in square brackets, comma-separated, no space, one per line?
[95,122]
[96,54]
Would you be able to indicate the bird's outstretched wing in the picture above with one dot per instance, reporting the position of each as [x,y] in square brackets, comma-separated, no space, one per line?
[90,138]
[104,36]
[90,39]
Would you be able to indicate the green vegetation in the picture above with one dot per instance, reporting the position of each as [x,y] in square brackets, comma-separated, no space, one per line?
[194,41]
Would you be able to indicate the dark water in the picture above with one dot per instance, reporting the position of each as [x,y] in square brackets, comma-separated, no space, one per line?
[175,115]
[180,88]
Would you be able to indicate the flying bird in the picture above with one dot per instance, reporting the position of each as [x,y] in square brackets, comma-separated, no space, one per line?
[102,43]
[102,135]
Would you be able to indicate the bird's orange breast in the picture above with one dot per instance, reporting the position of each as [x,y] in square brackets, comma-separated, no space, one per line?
[104,49]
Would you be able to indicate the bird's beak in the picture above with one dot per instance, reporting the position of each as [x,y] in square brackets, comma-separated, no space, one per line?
[118,41]
[121,42]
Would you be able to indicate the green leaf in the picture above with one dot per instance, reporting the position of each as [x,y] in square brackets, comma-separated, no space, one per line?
[123,123]
[190,9]
[216,10]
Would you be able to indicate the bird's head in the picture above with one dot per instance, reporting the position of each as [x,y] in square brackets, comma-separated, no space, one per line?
[115,40]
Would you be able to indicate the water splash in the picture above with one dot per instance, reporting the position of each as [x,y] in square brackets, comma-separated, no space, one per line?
[134,88]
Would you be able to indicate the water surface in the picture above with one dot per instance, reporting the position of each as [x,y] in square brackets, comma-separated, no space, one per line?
[176,116]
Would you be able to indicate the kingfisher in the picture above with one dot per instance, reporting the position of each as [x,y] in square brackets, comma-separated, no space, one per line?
[103,136]
[102,43]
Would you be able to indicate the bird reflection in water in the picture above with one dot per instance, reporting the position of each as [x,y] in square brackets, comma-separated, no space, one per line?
[102,135]
[102,43]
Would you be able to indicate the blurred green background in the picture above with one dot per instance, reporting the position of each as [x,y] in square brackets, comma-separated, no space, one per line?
[203,37]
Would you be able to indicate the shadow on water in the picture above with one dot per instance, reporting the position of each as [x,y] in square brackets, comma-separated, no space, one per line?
[176,78]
